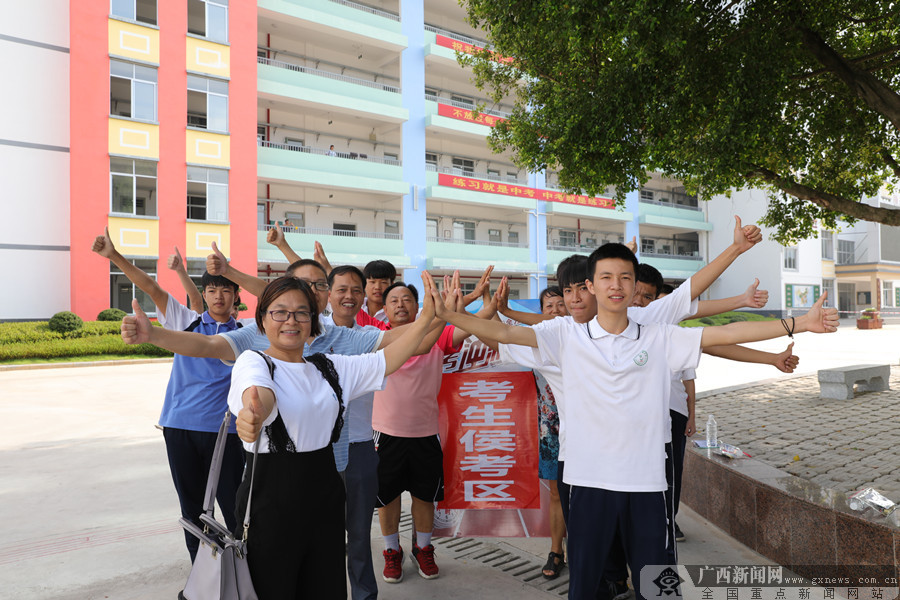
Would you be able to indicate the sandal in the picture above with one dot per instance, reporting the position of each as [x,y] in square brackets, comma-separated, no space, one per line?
[555,564]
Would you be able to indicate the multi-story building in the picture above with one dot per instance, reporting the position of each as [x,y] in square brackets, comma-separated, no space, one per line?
[345,123]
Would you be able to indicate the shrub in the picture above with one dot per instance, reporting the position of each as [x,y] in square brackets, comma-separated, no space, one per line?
[111,314]
[707,321]
[65,321]
[737,317]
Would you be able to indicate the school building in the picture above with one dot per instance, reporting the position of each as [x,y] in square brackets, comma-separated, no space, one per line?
[184,122]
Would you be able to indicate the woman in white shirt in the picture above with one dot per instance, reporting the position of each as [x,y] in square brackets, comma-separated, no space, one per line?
[295,542]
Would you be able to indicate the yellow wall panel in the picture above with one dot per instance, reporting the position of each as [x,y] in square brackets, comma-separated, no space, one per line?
[133,41]
[135,237]
[200,237]
[208,57]
[205,148]
[828,269]
[133,138]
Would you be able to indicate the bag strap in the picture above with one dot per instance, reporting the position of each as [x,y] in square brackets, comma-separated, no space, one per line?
[327,370]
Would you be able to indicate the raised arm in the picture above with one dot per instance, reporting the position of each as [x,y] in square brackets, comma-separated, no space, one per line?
[495,330]
[817,320]
[744,239]
[275,236]
[136,329]
[319,257]
[104,247]
[502,299]
[401,349]
[785,361]
[752,298]
[176,263]
[217,264]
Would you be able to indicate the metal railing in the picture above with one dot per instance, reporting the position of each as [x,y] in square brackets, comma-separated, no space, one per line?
[467,106]
[327,74]
[365,8]
[667,198]
[590,241]
[371,235]
[451,240]
[457,36]
[672,248]
[474,175]
[332,153]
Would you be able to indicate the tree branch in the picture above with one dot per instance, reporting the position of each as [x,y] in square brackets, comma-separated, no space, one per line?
[871,90]
[891,161]
[828,201]
[856,61]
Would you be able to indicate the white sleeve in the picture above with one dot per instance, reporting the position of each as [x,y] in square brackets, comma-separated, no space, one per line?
[178,316]
[549,336]
[682,346]
[521,355]
[360,374]
[674,308]
[250,369]
[688,374]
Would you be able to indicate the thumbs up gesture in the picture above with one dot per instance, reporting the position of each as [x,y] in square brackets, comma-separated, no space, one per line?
[103,245]
[136,328]
[754,297]
[175,262]
[216,263]
[820,319]
[250,418]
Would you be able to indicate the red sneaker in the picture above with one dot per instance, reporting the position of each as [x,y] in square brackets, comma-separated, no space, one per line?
[393,566]
[424,558]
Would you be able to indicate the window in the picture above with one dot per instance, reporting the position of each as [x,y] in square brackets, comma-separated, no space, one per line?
[208,18]
[207,103]
[827,245]
[646,196]
[295,144]
[513,237]
[431,94]
[790,259]
[567,238]
[462,101]
[344,229]
[132,91]
[262,133]
[494,235]
[391,159]
[142,11]
[431,228]
[887,297]
[845,252]
[466,288]
[122,291]
[463,166]
[828,286]
[207,194]
[464,230]
[648,245]
[493,174]
[512,176]
[132,185]
[514,293]
[392,226]
[431,161]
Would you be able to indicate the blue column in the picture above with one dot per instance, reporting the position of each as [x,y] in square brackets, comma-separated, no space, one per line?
[632,228]
[412,85]
[537,238]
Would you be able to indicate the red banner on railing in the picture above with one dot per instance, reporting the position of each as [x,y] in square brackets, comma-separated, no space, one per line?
[446,42]
[445,110]
[489,434]
[493,187]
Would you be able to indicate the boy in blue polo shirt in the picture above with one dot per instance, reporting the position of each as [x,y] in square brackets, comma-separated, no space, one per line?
[196,396]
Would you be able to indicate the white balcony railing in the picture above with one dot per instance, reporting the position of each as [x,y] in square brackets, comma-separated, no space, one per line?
[369,9]
[294,147]
[450,240]
[466,106]
[457,36]
[370,235]
[327,74]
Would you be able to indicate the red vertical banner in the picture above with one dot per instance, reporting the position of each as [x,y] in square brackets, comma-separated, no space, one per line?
[489,435]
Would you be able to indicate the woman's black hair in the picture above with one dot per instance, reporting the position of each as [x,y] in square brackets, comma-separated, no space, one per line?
[278,287]
[549,292]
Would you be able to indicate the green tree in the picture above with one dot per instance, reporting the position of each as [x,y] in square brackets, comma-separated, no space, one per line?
[798,98]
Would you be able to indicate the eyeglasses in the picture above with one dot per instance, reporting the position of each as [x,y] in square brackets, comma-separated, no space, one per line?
[280,316]
[322,286]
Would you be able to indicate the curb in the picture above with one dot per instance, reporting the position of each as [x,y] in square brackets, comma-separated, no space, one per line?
[88,363]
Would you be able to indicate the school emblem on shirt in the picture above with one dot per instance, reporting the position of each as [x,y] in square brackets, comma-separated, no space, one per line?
[641,359]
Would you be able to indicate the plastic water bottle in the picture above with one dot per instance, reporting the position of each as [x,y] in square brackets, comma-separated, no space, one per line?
[712,433]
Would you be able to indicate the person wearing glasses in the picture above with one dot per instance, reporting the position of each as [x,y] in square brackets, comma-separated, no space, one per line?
[294,404]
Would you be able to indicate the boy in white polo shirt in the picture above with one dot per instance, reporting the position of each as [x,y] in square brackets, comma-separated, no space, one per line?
[616,377]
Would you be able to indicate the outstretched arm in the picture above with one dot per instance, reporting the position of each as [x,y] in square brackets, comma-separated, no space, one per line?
[217,264]
[176,263]
[104,247]
[744,239]
[502,298]
[752,298]
[136,329]
[275,236]
[817,320]
[785,361]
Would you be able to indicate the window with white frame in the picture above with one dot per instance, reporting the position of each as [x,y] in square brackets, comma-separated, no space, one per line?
[122,291]
[392,226]
[132,90]
[493,174]
[207,194]
[132,186]
[846,249]
[209,18]
[827,245]
[567,238]
[462,101]
[431,161]
[142,11]
[207,103]
[463,166]
[887,294]
[790,258]
[513,237]
[464,230]
[512,176]
[494,235]
[344,229]
[431,228]
[828,286]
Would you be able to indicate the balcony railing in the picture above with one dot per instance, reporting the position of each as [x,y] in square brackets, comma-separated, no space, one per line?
[372,11]
[332,153]
[327,74]
[467,173]
[466,106]
[671,248]
[457,36]
[667,198]
[451,240]
[371,235]
[590,240]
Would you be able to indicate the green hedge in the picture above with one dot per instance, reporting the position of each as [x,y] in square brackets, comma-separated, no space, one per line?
[725,319]
[35,340]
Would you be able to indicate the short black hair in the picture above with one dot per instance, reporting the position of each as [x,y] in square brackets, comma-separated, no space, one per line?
[666,289]
[207,280]
[279,286]
[304,262]
[380,269]
[611,250]
[651,276]
[343,270]
[412,289]
[549,292]
[572,270]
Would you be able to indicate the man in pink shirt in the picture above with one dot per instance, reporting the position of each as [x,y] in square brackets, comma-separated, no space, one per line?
[405,420]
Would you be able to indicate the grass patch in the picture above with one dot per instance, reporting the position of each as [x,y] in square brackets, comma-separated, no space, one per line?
[725,318]
[71,359]
[34,341]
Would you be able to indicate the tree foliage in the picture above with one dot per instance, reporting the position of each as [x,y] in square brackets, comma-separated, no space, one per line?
[799,98]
